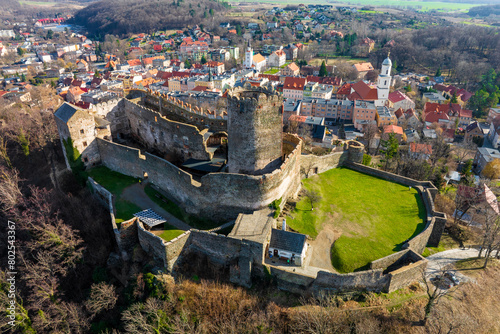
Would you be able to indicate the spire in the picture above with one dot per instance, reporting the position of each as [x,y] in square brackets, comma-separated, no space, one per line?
[388,54]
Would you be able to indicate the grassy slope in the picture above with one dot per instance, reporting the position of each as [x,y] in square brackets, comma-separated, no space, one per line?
[375,216]
[115,183]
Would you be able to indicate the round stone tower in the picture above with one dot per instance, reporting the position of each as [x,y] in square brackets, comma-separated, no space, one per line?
[255,130]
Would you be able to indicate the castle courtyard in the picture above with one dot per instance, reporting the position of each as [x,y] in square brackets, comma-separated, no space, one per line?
[367,218]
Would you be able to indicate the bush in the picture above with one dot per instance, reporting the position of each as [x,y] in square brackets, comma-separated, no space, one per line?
[367,159]
[276,206]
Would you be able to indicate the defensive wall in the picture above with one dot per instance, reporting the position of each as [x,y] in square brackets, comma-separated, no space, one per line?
[233,193]
[156,132]
[180,111]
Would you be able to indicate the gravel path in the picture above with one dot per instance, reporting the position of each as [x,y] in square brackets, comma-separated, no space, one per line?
[136,195]
[442,260]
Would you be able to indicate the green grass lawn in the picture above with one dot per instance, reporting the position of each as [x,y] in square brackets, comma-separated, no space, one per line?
[272,71]
[374,216]
[115,183]
[170,232]
[176,211]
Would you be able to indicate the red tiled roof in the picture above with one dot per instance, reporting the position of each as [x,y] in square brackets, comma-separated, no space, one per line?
[364,92]
[421,148]
[294,83]
[393,129]
[436,116]
[397,96]
[345,89]
[134,62]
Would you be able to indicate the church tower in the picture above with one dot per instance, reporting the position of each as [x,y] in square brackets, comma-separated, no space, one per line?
[248,56]
[384,80]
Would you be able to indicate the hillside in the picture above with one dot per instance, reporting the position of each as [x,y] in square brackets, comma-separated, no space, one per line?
[122,17]
[484,10]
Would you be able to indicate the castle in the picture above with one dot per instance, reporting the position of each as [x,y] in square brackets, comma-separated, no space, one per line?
[224,166]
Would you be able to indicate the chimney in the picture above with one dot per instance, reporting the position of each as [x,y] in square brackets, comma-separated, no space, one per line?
[283,227]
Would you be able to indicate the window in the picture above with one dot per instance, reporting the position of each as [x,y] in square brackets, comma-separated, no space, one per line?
[84,144]
[85,159]
[82,131]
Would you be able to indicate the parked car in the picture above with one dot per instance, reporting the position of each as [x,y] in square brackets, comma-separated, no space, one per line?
[452,278]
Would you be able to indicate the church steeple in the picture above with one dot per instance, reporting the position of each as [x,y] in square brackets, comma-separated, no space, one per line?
[384,80]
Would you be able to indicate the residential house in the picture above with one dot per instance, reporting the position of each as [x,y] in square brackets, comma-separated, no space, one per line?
[363,112]
[394,129]
[493,113]
[290,70]
[216,67]
[259,62]
[288,246]
[309,125]
[74,94]
[473,131]
[362,91]
[277,58]
[82,65]
[456,115]
[385,116]
[363,69]
[449,91]
[483,156]
[494,133]
[366,46]
[432,97]
[293,88]
[407,119]
[399,99]
[420,151]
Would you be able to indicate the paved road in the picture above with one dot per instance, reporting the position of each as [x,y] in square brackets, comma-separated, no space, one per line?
[442,260]
[136,195]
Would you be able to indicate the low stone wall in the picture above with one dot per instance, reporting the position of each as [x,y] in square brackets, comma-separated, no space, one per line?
[388,260]
[152,244]
[312,164]
[368,280]
[408,274]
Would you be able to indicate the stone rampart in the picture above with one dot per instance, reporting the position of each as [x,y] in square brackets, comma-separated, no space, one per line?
[234,193]
[312,164]
[408,274]
[180,111]
[152,244]
[169,137]
[388,260]
[368,280]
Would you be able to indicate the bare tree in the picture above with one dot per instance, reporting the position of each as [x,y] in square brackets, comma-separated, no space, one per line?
[10,194]
[491,233]
[434,291]
[102,297]
[465,148]
[313,197]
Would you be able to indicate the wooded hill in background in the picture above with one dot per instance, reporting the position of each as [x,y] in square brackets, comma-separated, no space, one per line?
[122,17]
[485,10]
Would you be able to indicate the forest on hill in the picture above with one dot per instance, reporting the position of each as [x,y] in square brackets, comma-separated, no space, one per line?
[122,17]
[484,10]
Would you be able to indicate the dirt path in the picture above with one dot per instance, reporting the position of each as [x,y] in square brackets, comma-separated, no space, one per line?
[320,248]
[135,194]
[444,259]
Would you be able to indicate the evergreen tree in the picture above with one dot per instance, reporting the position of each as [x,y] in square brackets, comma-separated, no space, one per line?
[454,98]
[322,70]
[187,63]
[203,60]
[438,72]
[390,148]
[50,34]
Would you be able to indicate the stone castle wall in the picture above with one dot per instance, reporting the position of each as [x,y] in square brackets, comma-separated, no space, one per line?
[181,111]
[233,193]
[163,135]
